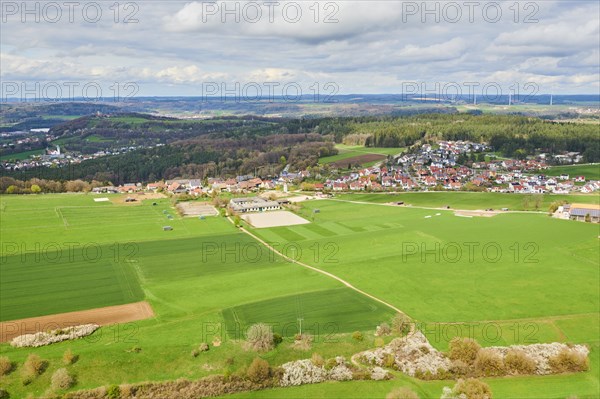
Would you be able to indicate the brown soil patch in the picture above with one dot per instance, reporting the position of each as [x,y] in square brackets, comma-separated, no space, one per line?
[359,159]
[101,316]
[487,214]
[196,209]
[139,197]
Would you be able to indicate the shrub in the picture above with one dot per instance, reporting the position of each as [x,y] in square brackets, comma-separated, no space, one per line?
[317,360]
[471,388]
[61,379]
[258,371]
[489,363]
[69,357]
[402,393]
[389,360]
[113,392]
[6,365]
[195,352]
[303,342]
[34,366]
[203,347]
[331,363]
[361,374]
[260,337]
[568,360]
[383,329]
[277,339]
[379,342]
[357,335]
[460,369]
[401,324]
[517,362]
[4,394]
[464,349]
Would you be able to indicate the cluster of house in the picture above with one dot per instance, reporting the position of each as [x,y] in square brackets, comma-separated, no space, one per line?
[373,179]
[56,158]
[445,153]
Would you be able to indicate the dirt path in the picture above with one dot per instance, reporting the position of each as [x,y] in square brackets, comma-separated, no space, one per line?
[101,316]
[333,276]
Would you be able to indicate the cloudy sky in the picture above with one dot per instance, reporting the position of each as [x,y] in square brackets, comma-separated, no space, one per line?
[347,47]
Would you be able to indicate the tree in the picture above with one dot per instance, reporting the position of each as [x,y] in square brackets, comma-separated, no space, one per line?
[35,189]
[258,371]
[588,218]
[237,220]
[282,160]
[61,379]
[260,337]
[12,189]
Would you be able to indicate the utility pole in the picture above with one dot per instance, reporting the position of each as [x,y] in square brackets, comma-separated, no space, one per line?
[300,322]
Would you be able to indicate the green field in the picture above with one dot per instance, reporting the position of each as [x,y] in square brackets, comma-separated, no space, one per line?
[323,312]
[473,201]
[347,151]
[206,279]
[590,171]
[21,155]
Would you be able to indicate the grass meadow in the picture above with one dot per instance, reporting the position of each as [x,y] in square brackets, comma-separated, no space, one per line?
[206,279]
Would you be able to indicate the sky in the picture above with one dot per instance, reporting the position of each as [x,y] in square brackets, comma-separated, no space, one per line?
[268,48]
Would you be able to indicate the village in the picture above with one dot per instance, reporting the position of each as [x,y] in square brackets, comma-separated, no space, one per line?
[440,169]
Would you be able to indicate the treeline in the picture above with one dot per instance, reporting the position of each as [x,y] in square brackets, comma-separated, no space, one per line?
[8,185]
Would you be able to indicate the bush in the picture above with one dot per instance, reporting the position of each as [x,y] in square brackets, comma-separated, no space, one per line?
[517,362]
[203,347]
[258,371]
[331,363]
[61,379]
[303,342]
[6,365]
[458,368]
[472,389]
[34,366]
[4,394]
[317,360]
[568,360]
[69,357]
[277,339]
[401,324]
[389,360]
[379,342]
[383,329]
[260,337]
[488,363]
[195,352]
[402,393]
[113,392]
[464,349]
[357,336]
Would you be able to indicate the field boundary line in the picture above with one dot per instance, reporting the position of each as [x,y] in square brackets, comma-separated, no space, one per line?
[330,275]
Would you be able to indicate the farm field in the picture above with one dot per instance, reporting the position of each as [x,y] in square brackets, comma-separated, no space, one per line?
[366,156]
[420,263]
[590,171]
[188,275]
[207,279]
[468,200]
